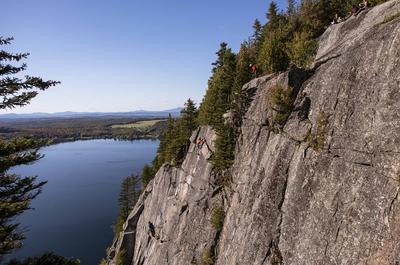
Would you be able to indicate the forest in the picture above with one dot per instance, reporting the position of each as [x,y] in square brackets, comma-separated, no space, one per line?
[56,130]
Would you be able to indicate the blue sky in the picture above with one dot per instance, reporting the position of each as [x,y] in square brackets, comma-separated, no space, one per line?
[124,55]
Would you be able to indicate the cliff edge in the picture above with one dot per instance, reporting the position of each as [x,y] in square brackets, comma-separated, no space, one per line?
[323,189]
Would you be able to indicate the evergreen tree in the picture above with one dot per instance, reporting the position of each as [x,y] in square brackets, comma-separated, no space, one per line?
[218,96]
[245,57]
[189,117]
[147,175]
[174,142]
[272,14]
[258,32]
[224,148]
[16,192]
[182,131]
[273,55]
[128,196]
[291,9]
[302,49]
[217,102]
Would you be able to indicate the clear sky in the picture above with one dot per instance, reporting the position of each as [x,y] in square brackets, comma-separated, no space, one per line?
[124,55]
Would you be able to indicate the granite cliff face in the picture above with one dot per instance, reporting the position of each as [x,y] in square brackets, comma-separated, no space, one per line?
[322,190]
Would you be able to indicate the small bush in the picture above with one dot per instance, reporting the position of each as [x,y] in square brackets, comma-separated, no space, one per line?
[390,18]
[207,257]
[318,140]
[283,100]
[119,259]
[217,218]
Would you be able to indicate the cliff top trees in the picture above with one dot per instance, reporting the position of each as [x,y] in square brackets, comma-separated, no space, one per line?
[16,192]
[218,96]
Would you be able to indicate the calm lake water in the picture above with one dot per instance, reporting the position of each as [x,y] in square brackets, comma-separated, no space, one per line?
[75,212]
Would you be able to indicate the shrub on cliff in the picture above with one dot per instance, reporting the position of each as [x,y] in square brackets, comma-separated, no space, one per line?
[282,100]
[207,257]
[217,218]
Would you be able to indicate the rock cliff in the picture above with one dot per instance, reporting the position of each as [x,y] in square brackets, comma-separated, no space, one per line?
[324,189]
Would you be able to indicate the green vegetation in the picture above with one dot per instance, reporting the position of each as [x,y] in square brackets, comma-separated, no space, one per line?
[174,142]
[128,196]
[217,218]
[208,257]
[318,141]
[17,192]
[59,130]
[48,258]
[216,102]
[103,262]
[119,259]
[302,49]
[136,125]
[283,100]
[390,18]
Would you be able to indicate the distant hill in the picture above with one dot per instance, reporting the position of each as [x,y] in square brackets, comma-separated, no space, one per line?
[69,114]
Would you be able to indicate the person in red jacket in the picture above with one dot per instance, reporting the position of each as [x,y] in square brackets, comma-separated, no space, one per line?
[253,69]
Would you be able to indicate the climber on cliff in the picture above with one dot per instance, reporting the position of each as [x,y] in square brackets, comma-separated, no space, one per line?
[361,7]
[151,230]
[200,143]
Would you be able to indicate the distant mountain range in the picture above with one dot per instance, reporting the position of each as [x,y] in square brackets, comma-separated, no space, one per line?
[69,114]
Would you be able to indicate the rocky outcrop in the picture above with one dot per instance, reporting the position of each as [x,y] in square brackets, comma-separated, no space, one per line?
[323,189]
[178,202]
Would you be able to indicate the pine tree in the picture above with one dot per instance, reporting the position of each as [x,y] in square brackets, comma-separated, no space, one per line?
[272,14]
[147,175]
[128,196]
[273,55]
[217,101]
[174,142]
[258,32]
[189,117]
[245,57]
[218,96]
[291,9]
[302,49]
[16,192]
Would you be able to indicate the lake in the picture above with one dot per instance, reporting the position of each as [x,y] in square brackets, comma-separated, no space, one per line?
[78,206]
